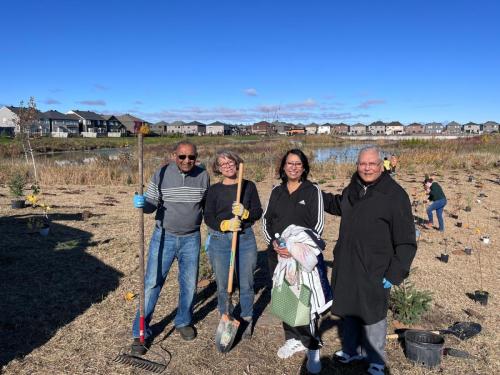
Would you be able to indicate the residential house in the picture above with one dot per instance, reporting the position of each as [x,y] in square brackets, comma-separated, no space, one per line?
[414,128]
[453,128]
[114,126]
[472,128]
[60,124]
[357,129]
[296,130]
[311,129]
[376,128]
[394,128]
[196,128]
[9,122]
[218,128]
[490,127]
[433,128]
[175,127]
[160,128]
[340,129]
[324,129]
[132,124]
[282,128]
[90,122]
[263,128]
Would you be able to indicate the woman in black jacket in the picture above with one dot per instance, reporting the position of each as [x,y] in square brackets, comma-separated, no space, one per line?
[295,201]
[223,216]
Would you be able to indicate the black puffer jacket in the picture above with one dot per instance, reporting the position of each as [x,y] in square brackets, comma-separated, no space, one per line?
[376,240]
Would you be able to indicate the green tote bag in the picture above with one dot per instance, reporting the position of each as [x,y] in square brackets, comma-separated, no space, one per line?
[294,311]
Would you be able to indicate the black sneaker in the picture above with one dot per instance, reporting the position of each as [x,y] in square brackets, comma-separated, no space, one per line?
[187,332]
[139,349]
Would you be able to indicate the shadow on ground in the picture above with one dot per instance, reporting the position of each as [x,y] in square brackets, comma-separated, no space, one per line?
[206,300]
[46,283]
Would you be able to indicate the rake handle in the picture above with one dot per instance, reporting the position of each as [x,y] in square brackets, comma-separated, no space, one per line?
[141,238]
[234,240]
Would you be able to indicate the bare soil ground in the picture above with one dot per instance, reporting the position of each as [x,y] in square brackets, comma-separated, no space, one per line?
[63,309]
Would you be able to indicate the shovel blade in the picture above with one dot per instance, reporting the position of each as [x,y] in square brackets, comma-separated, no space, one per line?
[226,333]
[464,330]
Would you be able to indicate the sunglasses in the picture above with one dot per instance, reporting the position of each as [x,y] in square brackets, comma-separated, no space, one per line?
[190,157]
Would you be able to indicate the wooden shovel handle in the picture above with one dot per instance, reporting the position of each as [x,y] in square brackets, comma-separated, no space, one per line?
[235,233]
[394,336]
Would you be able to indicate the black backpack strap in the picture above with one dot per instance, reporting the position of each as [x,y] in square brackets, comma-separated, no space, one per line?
[160,181]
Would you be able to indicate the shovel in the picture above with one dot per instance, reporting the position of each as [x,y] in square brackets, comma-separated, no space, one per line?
[228,326]
[462,330]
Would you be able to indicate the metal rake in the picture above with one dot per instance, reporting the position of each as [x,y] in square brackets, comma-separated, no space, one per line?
[128,359]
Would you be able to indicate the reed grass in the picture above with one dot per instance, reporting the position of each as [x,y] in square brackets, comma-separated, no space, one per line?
[262,157]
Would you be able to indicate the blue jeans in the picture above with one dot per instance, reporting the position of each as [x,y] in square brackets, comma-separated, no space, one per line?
[438,206]
[164,247]
[219,252]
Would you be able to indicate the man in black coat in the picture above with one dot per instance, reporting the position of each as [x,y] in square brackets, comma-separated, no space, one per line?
[374,251]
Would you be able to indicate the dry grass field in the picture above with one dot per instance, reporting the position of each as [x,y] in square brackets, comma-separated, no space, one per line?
[64,312]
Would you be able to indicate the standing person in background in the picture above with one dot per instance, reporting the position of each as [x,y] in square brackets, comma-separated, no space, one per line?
[220,211]
[295,201]
[374,251]
[438,199]
[394,164]
[177,194]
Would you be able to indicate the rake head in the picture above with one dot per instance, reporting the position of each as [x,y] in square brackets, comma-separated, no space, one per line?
[144,364]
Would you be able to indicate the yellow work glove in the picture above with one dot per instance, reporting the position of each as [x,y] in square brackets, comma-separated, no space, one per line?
[240,210]
[232,225]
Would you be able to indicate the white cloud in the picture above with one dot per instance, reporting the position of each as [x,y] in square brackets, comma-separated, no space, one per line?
[250,92]
[97,102]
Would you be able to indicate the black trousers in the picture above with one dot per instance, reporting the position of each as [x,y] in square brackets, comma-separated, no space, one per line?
[308,335]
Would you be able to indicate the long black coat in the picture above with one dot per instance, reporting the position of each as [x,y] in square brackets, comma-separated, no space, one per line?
[376,240]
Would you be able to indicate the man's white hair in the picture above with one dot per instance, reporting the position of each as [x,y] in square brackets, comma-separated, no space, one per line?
[371,149]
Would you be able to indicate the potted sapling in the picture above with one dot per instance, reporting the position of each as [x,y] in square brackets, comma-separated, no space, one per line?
[480,295]
[445,256]
[468,207]
[16,186]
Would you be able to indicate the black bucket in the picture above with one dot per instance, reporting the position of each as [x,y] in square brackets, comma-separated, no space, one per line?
[424,348]
[444,258]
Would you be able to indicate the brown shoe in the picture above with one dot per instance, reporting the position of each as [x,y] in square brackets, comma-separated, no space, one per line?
[428,226]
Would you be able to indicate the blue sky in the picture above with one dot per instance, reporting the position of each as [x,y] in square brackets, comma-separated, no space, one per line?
[245,61]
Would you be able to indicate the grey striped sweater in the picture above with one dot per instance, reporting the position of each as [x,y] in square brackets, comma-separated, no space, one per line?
[183,197]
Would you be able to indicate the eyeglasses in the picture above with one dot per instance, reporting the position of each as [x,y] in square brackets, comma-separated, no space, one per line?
[369,165]
[294,164]
[229,164]
[190,157]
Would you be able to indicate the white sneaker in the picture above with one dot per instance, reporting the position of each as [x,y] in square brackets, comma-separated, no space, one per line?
[313,364]
[346,358]
[376,369]
[291,347]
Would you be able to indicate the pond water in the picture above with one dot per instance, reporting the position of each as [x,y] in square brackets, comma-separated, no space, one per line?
[84,157]
[342,154]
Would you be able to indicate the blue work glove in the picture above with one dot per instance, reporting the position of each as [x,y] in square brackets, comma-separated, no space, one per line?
[387,284]
[139,201]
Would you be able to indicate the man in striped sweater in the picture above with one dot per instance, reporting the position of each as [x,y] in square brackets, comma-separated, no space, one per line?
[177,194]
